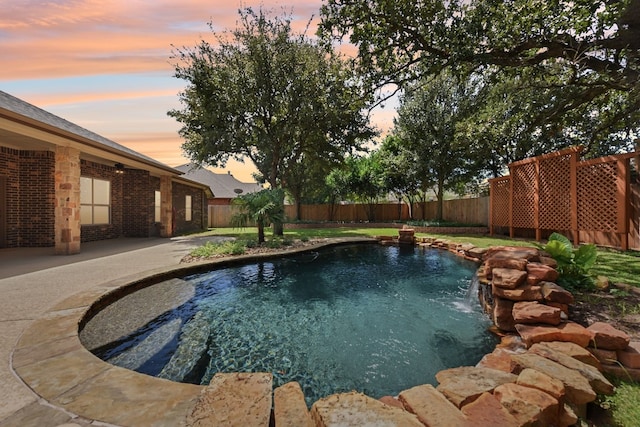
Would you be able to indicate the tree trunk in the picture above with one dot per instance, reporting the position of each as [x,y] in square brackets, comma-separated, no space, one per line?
[440,196]
[260,232]
[298,206]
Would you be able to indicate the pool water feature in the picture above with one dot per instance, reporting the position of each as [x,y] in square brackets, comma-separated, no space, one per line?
[377,319]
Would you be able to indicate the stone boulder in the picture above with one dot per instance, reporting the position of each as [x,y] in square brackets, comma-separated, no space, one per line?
[499,359]
[503,314]
[486,410]
[538,272]
[532,312]
[578,389]
[609,338]
[357,409]
[605,357]
[236,399]
[465,384]
[514,252]
[289,406]
[553,292]
[597,381]
[508,278]
[431,407]
[528,405]
[567,332]
[574,350]
[504,262]
[521,293]
[543,382]
[630,356]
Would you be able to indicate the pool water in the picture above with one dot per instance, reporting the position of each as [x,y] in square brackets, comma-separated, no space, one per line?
[371,318]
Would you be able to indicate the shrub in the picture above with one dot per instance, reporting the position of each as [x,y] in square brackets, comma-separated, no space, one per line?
[228,247]
[573,264]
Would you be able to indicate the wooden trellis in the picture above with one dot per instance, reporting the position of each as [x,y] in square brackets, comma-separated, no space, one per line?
[558,192]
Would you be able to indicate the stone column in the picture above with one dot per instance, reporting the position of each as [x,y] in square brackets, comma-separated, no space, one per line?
[166,206]
[67,201]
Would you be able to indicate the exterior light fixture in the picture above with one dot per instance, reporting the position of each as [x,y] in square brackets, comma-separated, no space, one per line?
[119,168]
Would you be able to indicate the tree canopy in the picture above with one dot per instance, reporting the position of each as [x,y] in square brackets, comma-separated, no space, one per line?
[428,118]
[583,56]
[261,92]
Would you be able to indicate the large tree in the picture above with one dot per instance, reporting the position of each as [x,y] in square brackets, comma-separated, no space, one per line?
[263,93]
[584,55]
[428,118]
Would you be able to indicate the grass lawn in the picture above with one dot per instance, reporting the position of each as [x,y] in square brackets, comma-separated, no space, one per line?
[620,267]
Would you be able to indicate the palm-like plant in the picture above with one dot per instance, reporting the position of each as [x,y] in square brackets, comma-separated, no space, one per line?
[263,207]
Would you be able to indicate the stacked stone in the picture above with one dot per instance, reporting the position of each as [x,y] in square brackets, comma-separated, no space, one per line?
[406,236]
[615,351]
[520,289]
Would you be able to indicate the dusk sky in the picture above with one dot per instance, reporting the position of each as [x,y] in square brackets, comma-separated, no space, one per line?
[105,65]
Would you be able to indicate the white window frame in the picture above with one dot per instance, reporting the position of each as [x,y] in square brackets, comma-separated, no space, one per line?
[157,206]
[188,208]
[95,201]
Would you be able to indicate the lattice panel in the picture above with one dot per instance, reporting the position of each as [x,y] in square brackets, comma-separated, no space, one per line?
[524,177]
[500,201]
[555,193]
[597,203]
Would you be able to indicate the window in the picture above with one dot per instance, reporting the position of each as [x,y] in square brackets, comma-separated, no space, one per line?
[95,201]
[187,208]
[156,206]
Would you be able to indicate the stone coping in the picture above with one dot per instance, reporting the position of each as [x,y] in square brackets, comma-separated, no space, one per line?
[52,361]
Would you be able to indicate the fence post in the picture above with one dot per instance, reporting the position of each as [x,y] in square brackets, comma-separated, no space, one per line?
[491,196]
[573,201]
[536,199]
[622,183]
[511,229]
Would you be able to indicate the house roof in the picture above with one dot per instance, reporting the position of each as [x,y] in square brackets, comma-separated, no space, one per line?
[223,185]
[19,111]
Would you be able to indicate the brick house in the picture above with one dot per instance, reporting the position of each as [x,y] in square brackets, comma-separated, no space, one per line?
[61,185]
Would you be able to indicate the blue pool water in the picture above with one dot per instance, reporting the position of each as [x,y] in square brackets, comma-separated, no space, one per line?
[370,318]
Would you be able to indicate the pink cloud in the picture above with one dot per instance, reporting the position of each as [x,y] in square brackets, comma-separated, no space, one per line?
[45,39]
[83,37]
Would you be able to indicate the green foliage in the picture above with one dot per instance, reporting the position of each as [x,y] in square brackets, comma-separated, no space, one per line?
[569,70]
[264,93]
[359,179]
[228,247]
[277,243]
[573,265]
[262,208]
[619,267]
[427,124]
[623,405]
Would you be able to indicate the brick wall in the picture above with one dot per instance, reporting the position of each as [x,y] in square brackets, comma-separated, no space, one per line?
[10,168]
[37,198]
[113,230]
[137,203]
[198,216]
[30,199]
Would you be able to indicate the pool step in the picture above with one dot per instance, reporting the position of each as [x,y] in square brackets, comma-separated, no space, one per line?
[190,358]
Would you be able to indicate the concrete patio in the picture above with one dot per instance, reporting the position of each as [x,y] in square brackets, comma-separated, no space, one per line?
[33,281]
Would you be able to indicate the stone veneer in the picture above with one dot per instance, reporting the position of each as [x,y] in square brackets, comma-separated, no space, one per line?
[542,373]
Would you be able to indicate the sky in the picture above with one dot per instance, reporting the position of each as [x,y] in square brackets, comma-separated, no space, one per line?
[106,65]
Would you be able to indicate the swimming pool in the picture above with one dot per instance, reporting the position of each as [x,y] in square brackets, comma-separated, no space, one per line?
[377,319]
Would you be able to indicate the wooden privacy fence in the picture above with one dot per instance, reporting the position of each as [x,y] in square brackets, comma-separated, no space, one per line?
[590,201]
[465,211]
